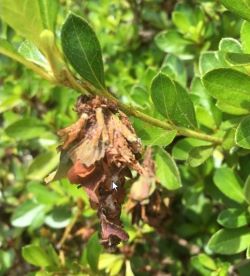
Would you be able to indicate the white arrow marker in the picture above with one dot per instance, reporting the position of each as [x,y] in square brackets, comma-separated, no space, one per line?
[114,186]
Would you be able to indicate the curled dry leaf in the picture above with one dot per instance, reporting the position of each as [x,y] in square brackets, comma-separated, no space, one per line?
[102,148]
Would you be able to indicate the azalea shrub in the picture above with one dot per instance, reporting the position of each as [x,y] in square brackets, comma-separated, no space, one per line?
[125,137]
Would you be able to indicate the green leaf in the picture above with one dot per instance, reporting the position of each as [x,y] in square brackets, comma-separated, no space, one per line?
[59,217]
[7,50]
[248,252]
[24,17]
[206,261]
[228,44]
[238,59]
[26,129]
[31,53]
[233,218]
[184,146]
[53,255]
[35,255]
[206,112]
[240,7]
[166,170]
[111,263]
[7,258]
[229,184]
[153,136]
[199,155]
[171,42]
[82,49]
[230,242]
[247,189]
[42,165]
[173,67]
[61,172]
[181,21]
[129,271]
[242,135]
[43,194]
[245,37]
[209,61]
[230,88]
[24,215]
[163,94]
[172,101]
[48,12]
[94,249]
[140,96]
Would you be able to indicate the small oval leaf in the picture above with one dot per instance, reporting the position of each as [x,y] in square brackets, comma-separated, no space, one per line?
[242,135]
[230,242]
[82,49]
[166,170]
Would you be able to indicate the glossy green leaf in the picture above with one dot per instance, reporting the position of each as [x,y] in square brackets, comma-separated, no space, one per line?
[184,146]
[53,255]
[247,189]
[82,49]
[242,135]
[24,17]
[230,88]
[24,215]
[207,113]
[26,129]
[140,96]
[199,155]
[230,242]
[173,67]
[153,136]
[181,21]
[240,7]
[111,263]
[238,59]
[229,184]
[48,12]
[163,94]
[245,36]
[172,101]
[31,53]
[248,252]
[166,170]
[209,61]
[35,255]
[233,218]
[206,261]
[59,217]
[43,194]
[8,50]
[171,42]
[42,165]
[228,44]
[129,271]
[61,172]
[94,249]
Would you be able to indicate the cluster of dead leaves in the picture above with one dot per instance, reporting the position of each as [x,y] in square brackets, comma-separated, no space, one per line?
[102,147]
[98,153]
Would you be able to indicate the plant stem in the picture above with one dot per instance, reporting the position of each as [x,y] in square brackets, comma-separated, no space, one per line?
[82,87]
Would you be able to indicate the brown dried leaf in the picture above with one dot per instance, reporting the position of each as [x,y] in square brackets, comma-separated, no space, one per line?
[92,147]
[110,229]
[71,133]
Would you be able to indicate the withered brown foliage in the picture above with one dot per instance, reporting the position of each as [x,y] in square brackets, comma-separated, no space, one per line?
[146,202]
[103,148]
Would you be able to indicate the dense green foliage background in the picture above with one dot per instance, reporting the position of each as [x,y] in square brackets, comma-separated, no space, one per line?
[203,53]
